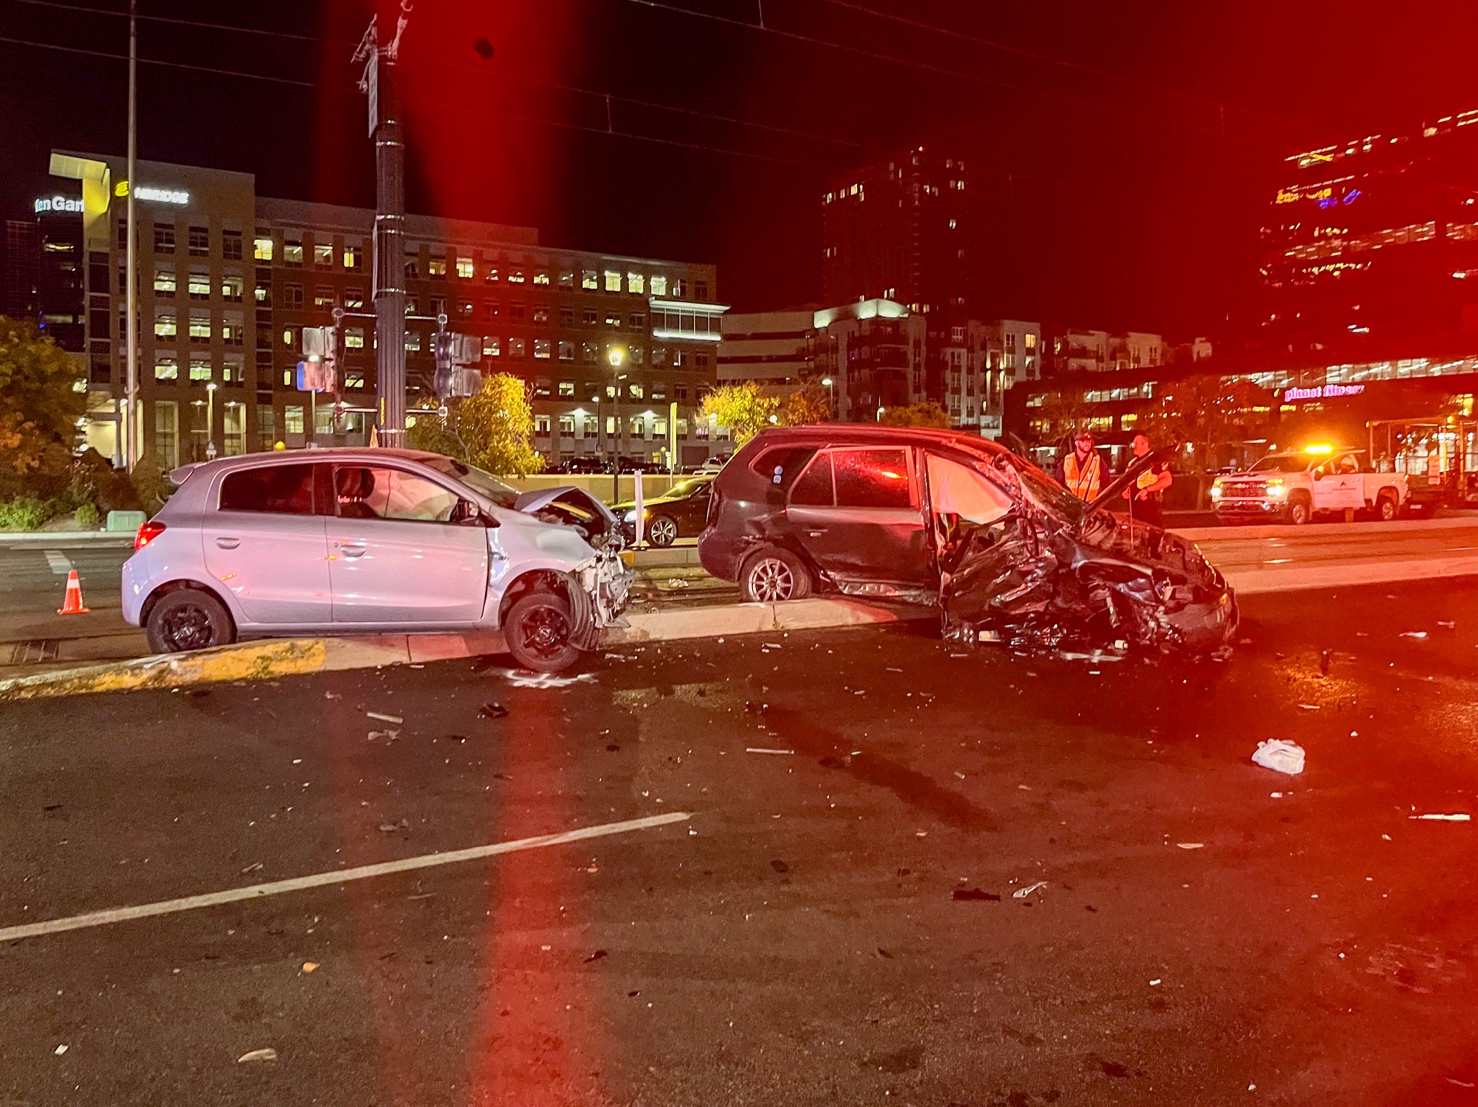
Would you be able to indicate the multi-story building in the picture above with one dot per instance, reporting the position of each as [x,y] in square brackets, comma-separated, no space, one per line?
[899,231]
[228,280]
[1370,249]
[1078,350]
[773,348]
[20,265]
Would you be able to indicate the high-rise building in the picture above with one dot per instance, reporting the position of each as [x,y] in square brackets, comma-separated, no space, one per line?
[20,253]
[899,231]
[228,280]
[1370,249]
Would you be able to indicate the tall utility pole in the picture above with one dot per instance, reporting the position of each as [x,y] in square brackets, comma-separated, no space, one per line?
[379,84]
[132,427]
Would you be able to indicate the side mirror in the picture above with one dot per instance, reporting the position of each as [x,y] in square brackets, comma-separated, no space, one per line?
[468,514]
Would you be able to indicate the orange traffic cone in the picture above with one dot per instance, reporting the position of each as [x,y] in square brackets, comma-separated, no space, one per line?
[72,605]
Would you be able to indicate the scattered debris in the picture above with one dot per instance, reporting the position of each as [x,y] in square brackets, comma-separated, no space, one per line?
[759,749]
[492,711]
[1417,634]
[59,1050]
[376,735]
[1022,893]
[1448,624]
[253,867]
[1308,707]
[1325,657]
[780,866]
[384,718]
[1279,755]
[522,679]
[268,1054]
[309,966]
[974,893]
[1455,818]
[391,828]
[1191,845]
[596,956]
[1155,983]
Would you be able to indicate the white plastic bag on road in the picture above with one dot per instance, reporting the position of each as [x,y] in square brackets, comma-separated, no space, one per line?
[1280,755]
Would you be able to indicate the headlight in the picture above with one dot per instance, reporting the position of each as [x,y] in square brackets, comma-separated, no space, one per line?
[630,516]
[1216,490]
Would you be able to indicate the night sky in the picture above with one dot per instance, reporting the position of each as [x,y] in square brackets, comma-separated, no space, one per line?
[1121,155]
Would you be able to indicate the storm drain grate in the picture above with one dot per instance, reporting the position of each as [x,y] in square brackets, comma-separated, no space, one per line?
[34,650]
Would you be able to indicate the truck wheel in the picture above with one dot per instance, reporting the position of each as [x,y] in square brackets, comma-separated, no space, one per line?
[538,630]
[1300,510]
[1386,508]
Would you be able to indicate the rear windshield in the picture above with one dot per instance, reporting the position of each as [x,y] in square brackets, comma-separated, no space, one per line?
[687,488]
[1281,463]
[484,484]
[780,465]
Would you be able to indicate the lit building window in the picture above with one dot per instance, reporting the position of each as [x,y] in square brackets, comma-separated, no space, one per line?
[636,283]
[165,326]
[566,388]
[354,338]
[353,298]
[413,341]
[516,277]
[323,255]
[323,296]
[589,279]
[166,369]
[491,275]
[289,336]
[292,253]
[231,289]
[199,326]
[353,257]
[613,281]
[261,249]
[491,346]
[464,268]
[541,348]
[436,268]
[164,283]
[659,286]
[567,278]
[541,277]
[200,371]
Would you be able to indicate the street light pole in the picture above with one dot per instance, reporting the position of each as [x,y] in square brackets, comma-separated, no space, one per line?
[210,421]
[617,356]
[831,397]
[132,425]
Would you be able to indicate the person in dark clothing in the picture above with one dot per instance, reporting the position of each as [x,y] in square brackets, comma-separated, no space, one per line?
[1148,490]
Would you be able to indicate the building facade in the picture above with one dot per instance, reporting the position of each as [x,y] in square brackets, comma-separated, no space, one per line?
[1080,350]
[228,280]
[776,349]
[20,268]
[899,231]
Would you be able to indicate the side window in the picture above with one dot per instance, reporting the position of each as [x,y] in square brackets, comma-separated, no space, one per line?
[955,489]
[814,487]
[872,478]
[366,492]
[781,465]
[277,489]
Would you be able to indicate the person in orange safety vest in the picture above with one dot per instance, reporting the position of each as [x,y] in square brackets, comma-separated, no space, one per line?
[1081,471]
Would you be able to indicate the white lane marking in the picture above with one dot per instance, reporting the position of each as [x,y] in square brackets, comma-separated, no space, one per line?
[343,876]
[60,563]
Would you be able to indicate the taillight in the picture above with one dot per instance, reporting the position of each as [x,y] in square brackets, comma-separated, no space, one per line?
[147,533]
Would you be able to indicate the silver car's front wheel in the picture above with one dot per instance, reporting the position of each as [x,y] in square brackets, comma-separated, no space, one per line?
[774,576]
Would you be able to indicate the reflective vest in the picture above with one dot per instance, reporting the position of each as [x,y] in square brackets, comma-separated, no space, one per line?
[1083,483]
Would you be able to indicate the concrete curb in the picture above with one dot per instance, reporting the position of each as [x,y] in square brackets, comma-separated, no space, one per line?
[268,660]
[66,538]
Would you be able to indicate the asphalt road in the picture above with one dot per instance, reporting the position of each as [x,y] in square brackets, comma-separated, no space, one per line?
[1174,924]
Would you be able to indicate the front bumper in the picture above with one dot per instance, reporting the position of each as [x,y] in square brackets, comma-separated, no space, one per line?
[1250,508]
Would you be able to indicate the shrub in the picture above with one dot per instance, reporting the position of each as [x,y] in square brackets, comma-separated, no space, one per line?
[88,517]
[25,513]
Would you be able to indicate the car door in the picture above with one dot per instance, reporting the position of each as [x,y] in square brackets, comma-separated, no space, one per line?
[1338,485]
[266,544]
[856,511]
[397,559]
[693,510]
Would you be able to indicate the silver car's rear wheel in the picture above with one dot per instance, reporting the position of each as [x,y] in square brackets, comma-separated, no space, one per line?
[188,619]
[774,576]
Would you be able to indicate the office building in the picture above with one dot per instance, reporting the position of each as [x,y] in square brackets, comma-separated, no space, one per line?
[228,280]
[899,231]
[20,263]
[773,348]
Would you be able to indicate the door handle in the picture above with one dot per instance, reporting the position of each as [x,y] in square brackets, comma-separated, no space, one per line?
[816,533]
[228,543]
[351,549]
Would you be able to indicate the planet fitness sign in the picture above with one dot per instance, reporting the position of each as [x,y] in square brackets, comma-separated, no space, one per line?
[1328,392]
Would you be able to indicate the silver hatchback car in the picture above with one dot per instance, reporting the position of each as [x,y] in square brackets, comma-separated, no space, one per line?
[373,541]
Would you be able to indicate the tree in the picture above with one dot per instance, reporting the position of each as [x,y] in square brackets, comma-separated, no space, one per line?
[810,403]
[744,408]
[492,430]
[40,409]
[927,414]
[1205,412]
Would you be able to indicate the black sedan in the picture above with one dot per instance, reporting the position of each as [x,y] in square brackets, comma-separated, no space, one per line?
[681,512]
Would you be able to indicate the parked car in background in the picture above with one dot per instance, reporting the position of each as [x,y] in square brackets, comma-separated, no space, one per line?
[713,466]
[584,464]
[640,465]
[954,519]
[373,541]
[680,512]
[1297,487]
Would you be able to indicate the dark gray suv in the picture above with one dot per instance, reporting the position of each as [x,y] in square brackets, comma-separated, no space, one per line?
[950,518]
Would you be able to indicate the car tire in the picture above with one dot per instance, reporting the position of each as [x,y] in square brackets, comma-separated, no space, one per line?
[1300,511]
[1387,510]
[188,619]
[662,530]
[538,630]
[773,576]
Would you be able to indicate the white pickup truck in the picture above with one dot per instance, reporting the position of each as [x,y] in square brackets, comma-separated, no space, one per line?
[1295,487]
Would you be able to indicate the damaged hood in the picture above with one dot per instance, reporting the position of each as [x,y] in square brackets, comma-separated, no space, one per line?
[531,503]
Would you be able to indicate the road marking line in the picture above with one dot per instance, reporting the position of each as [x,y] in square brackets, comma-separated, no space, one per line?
[60,563]
[343,876]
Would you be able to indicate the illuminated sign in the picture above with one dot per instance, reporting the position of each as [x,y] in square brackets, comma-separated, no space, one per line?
[158,195]
[1328,392]
[58,203]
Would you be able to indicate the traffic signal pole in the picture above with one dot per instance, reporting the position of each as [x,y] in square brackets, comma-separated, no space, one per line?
[379,83]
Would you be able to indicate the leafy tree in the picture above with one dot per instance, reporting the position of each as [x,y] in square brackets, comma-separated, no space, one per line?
[927,414]
[744,408]
[493,430]
[1207,412]
[39,411]
[810,403]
